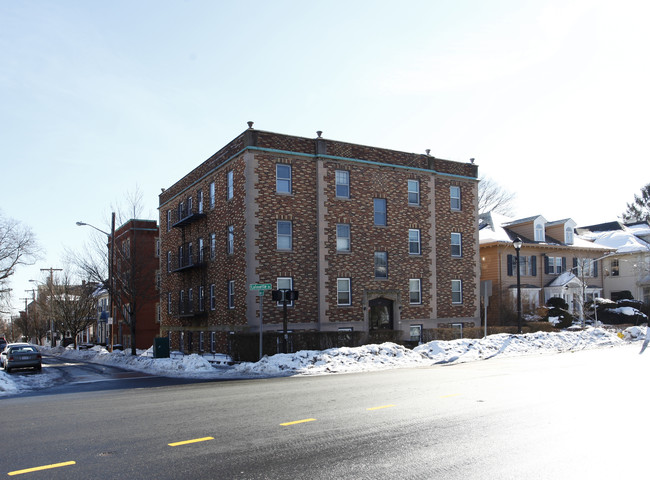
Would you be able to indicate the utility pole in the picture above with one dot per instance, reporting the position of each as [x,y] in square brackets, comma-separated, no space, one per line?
[51,270]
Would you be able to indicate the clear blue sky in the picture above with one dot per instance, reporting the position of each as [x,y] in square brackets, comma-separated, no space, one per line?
[96,97]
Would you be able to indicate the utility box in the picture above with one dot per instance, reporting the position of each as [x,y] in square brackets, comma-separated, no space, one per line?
[161,347]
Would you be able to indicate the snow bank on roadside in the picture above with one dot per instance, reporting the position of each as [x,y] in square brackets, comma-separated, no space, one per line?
[345,360]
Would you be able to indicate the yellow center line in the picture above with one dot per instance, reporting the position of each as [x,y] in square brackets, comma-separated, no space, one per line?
[379,408]
[298,421]
[44,467]
[450,395]
[196,440]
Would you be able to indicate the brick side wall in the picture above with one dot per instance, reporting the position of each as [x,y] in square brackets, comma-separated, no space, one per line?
[450,268]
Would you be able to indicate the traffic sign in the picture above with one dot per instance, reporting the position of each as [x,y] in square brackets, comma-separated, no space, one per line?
[260,286]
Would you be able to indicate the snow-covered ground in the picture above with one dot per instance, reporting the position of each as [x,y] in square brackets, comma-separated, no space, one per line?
[336,360]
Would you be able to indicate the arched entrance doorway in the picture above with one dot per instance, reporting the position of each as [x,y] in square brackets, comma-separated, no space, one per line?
[381,314]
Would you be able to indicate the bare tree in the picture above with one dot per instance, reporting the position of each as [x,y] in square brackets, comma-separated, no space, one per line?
[639,209]
[71,305]
[493,197]
[133,279]
[18,247]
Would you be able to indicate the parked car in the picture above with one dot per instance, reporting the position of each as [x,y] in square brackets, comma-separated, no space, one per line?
[20,355]
[3,343]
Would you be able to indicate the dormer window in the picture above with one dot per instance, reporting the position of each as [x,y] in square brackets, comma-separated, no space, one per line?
[539,232]
[568,235]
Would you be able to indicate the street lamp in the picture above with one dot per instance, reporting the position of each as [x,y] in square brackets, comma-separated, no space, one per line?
[111,249]
[517,244]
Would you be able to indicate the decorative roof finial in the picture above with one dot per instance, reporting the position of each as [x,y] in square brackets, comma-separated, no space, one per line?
[428,150]
[319,133]
[250,124]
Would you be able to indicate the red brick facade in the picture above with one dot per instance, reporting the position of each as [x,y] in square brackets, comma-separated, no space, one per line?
[309,209]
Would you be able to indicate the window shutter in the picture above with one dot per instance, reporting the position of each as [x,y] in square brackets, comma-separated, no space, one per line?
[575,262]
[510,265]
[563,264]
[595,269]
[546,264]
[533,265]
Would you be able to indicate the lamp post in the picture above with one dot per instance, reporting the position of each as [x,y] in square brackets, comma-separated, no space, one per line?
[111,249]
[517,244]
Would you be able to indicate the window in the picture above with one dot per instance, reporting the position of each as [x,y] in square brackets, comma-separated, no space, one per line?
[284,283]
[190,299]
[231,185]
[169,220]
[201,298]
[456,245]
[201,342]
[454,196]
[284,235]
[169,261]
[231,240]
[343,294]
[414,192]
[157,247]
[212,195]
[456,291]
[188,210]
[615,268]
[342,237]
[539,232]
[231,294]
[169,302]
[282,178]
[381,264]
[181,301]
[213,300]
[416,333]
[415,291]
[343,184]
[414,241]
[555,265]
[568,235]
[201,252]
[213,245]
[212,342]
[199,200]
[380,211]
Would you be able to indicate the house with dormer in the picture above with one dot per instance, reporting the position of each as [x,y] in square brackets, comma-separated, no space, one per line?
[553,262]
[627,272]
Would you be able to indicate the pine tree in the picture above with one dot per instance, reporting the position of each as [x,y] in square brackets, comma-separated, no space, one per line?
[639,210]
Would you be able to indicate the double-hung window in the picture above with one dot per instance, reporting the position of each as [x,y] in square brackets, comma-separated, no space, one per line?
[169,220]
[414,192]
[213,298]
[342,237]
[415,291]
[169,302]
[231,294]
[169,261]
[231,240]
[343,184]
[201,251]
[284,235]
[380,211]
[199,201]
[343,293]
[454,197]
[456,244]
[456,291]
[414,241]
[213,245]
[212,195]
[201,298]
[231,184]
[282,178]
[381,264]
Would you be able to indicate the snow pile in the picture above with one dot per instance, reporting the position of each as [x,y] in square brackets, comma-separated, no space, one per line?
[336,360]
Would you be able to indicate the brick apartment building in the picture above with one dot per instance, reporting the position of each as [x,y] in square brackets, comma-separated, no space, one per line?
[373,239]
[136,264]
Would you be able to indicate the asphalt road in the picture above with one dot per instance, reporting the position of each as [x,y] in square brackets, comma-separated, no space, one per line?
[579,415]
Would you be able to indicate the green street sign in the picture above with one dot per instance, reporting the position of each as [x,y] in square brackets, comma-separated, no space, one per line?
[260,286]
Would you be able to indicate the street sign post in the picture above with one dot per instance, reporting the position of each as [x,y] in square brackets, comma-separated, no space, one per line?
[260,288]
